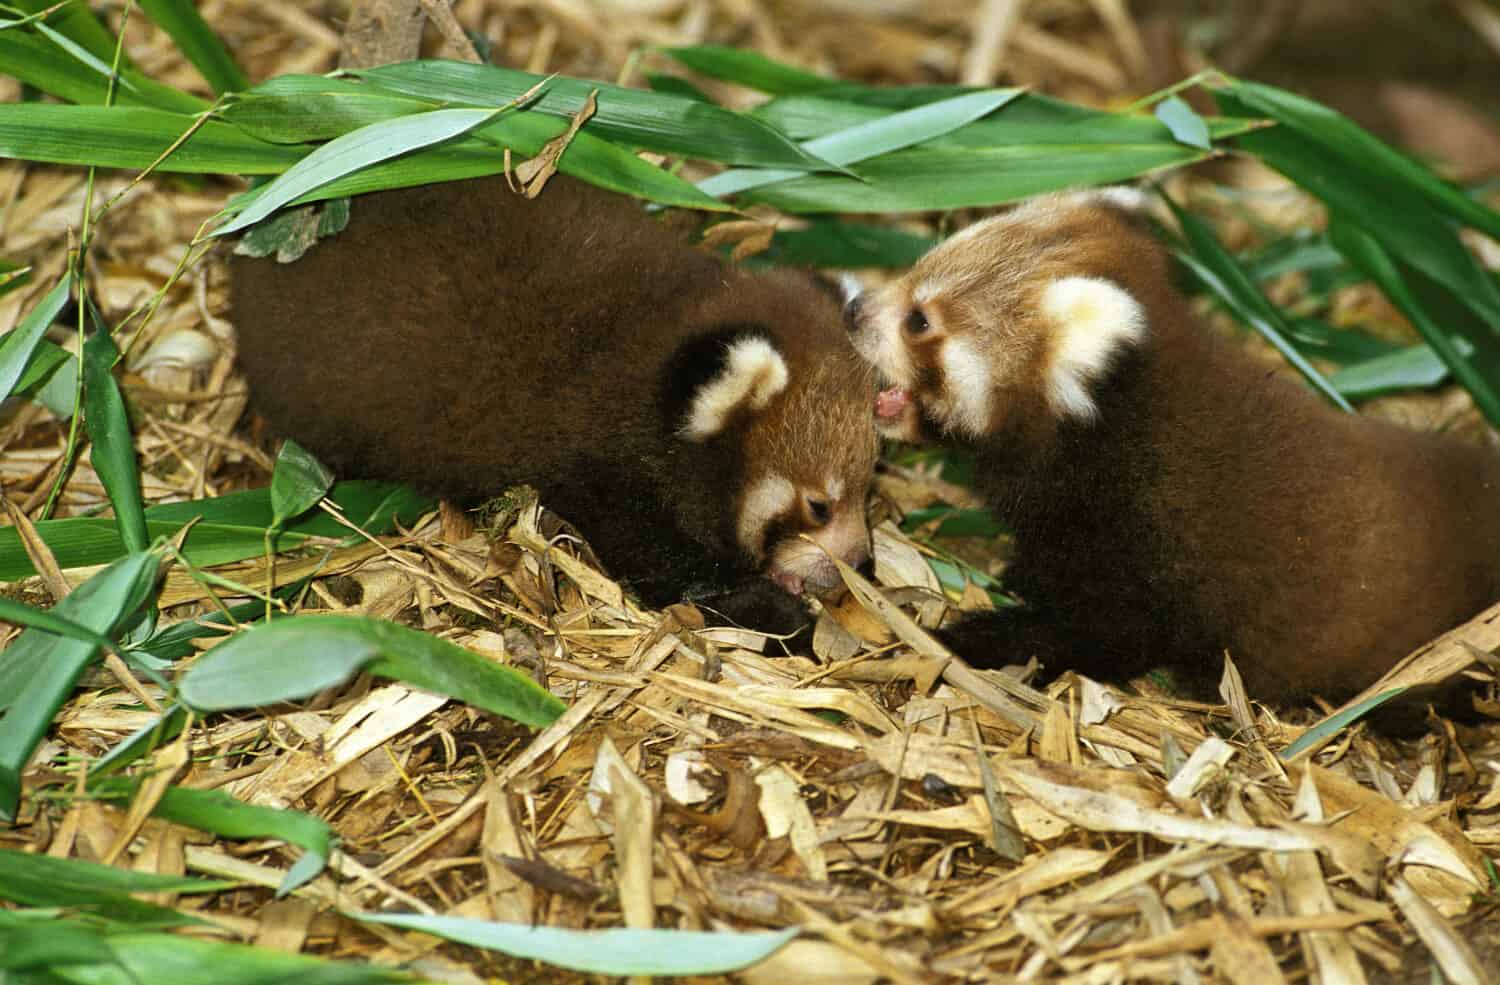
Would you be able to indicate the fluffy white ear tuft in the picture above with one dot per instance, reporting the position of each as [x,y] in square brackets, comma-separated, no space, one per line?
[1094,320]
[753,373]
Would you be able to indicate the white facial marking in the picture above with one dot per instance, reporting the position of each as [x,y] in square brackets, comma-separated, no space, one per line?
[754,372]
[835,489]
[881,344]
[1095,319]
[770,496]
[966,387]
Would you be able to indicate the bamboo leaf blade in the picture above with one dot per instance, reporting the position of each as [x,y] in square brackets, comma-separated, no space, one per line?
[198,43]
[134,137]
[353,152]
[634,118]
[748,68]
[293,658]
[19,346]
[924,178]
[873,138]
[113,444]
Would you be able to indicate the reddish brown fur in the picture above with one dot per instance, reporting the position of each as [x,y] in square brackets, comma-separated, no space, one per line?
[462,338]
[1213,504]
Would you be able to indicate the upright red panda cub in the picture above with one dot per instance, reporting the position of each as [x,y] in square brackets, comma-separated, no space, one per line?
[691,419]
[1170,497]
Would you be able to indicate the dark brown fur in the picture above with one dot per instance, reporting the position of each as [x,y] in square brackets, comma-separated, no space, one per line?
[464,339]
[1213,504]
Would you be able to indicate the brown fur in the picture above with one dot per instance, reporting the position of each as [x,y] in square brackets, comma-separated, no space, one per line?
[463,339]
[1212,504]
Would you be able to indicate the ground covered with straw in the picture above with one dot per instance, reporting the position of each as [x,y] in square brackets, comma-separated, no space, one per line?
[704,779]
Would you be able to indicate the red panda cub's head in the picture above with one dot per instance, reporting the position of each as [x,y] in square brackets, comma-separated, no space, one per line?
[1010,324]
[796,414]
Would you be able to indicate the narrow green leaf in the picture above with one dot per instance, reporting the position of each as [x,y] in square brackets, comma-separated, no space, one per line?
[1187,126]
[290,659]
[1221,273]
[927,178]
[1411,368]
[748,68]
[113,454]
[873,138]
[76,22]
[139,958]
[632,117]
[221,814]
[231,527]
[1462,356]
[292,109]
[834,243]
[38,670]
[48,622]
[607,952]
[197,41]
[41,880]
[1388,203]
[297,483]
[45,359]
[354,151]
[19,346]
[134,137]
[1366,153]
[1335,723]
[141,742]
[673,85]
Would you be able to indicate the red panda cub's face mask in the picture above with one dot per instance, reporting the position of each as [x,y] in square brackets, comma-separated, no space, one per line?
[1000,320]
[807,456]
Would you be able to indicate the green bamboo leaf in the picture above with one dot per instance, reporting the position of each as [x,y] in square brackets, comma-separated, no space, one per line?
[134,137]
[863,141]
[1475,360]
[142,741]
[184,25]
[620,951]
[672,85]
[76,22]
[1218,270]
[926,179]
[355,151]
[41,880]
[748,68]
[1333,724]
[38,670]
[1414,367]
[1366,153]
[45,359]
[1186,125]
[113,454]
[229,528]
[587,157]
[48,622]
[835,243]
[220,814]
[631,117]
[1389,204]
[18,348]
[290,659]
[291,109]
[297,483]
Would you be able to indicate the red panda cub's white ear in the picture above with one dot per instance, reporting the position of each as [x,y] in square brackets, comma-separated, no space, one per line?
[1093,321]
[747,374]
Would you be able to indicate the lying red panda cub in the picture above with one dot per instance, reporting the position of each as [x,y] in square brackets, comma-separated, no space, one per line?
[692,420]
[1170,497]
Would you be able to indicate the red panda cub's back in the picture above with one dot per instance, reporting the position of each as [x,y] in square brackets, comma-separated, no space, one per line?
[692,419]
[1170,497]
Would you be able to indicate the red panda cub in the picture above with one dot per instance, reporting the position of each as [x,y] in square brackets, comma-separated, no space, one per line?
[692,420]
[1170,497]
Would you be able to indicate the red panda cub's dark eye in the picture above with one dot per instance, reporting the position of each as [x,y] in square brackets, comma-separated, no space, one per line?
[818,512]
[916,322]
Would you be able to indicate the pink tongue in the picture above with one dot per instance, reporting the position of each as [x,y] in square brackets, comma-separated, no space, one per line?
[890,403]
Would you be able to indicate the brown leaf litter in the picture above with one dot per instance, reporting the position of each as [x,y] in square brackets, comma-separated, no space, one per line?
[698,779]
